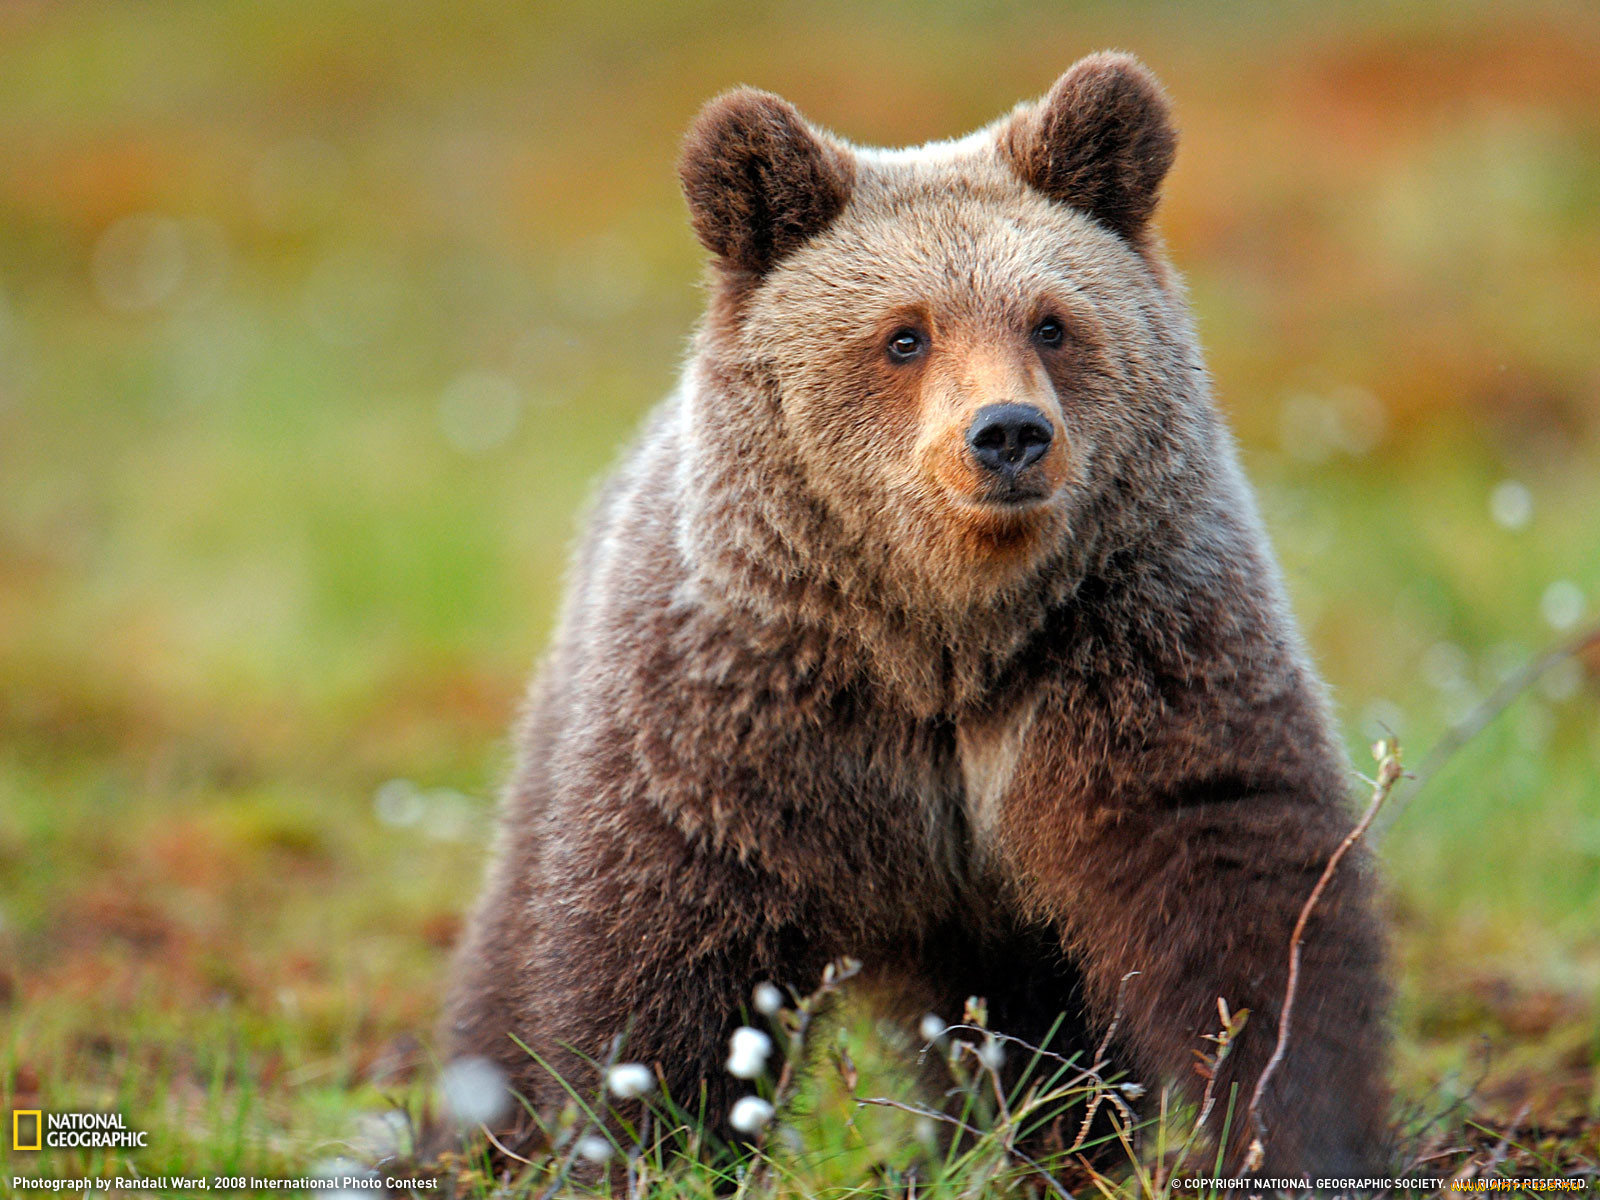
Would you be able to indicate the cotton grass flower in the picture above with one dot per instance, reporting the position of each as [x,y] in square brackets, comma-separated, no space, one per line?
[594,1148]
[748,1051]
[751,1114]
[768,999]
[1511,505]
[361,1179]
[382,1134]
[629,1081]
[991,1054]
[1562,605]
[931,1028]
[472,1091]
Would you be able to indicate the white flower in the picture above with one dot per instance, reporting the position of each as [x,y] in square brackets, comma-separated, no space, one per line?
[357,1178]
[1511,505]
[931,1028]
[382,1134]
[594,1148]
[473,1091]
[747,1052]
[991,1054]
[1562,604]
[629,1081]
[750,1115]
[1132,1091]
[768,999]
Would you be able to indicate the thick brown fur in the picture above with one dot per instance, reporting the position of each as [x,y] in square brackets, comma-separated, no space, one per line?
[818,690]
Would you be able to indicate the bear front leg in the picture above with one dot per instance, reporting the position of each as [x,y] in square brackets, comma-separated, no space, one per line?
[648,949]
[1198,890]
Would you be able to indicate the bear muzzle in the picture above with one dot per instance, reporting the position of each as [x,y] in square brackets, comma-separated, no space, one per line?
[1005,447]
[1007,439]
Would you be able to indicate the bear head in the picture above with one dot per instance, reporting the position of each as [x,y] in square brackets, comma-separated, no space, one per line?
[935,377]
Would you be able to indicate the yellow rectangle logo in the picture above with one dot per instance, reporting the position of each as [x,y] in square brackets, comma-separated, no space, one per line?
[16,1128]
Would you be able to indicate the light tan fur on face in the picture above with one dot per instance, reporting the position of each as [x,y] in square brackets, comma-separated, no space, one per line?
[969,371]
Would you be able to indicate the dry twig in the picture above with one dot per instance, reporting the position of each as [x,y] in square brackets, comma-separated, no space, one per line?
[1503,1146]
[1100,1065]
[1210,1068]
[1389,773]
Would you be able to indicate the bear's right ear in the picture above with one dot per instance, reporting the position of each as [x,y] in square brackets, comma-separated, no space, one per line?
[759,182]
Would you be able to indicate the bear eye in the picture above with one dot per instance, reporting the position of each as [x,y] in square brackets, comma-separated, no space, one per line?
[1049,332]
[906,344]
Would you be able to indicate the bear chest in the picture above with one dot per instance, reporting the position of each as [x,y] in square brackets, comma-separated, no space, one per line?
[989,750]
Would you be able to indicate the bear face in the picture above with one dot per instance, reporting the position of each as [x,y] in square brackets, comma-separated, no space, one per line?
[963,354]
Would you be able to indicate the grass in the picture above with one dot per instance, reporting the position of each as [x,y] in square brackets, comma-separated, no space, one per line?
[275,557]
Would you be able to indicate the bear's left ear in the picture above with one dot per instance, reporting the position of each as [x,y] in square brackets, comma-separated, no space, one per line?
[758,180]
[1102,141]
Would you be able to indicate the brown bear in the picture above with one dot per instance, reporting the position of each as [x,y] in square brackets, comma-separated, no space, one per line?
[931,622]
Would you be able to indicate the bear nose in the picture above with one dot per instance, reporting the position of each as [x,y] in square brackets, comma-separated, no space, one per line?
[1008,437]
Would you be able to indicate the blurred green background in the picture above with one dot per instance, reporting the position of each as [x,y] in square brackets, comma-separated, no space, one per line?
[318,322]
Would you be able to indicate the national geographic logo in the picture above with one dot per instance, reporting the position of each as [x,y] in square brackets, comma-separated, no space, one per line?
[20,1120]
[34,1129]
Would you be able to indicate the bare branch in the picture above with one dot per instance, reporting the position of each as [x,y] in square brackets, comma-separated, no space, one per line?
[1503,1146]
[1099,1065]
[1389,773]
[1116,1020]
[1016,1041]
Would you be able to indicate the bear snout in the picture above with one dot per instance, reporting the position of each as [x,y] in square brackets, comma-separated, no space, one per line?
[1007,439]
